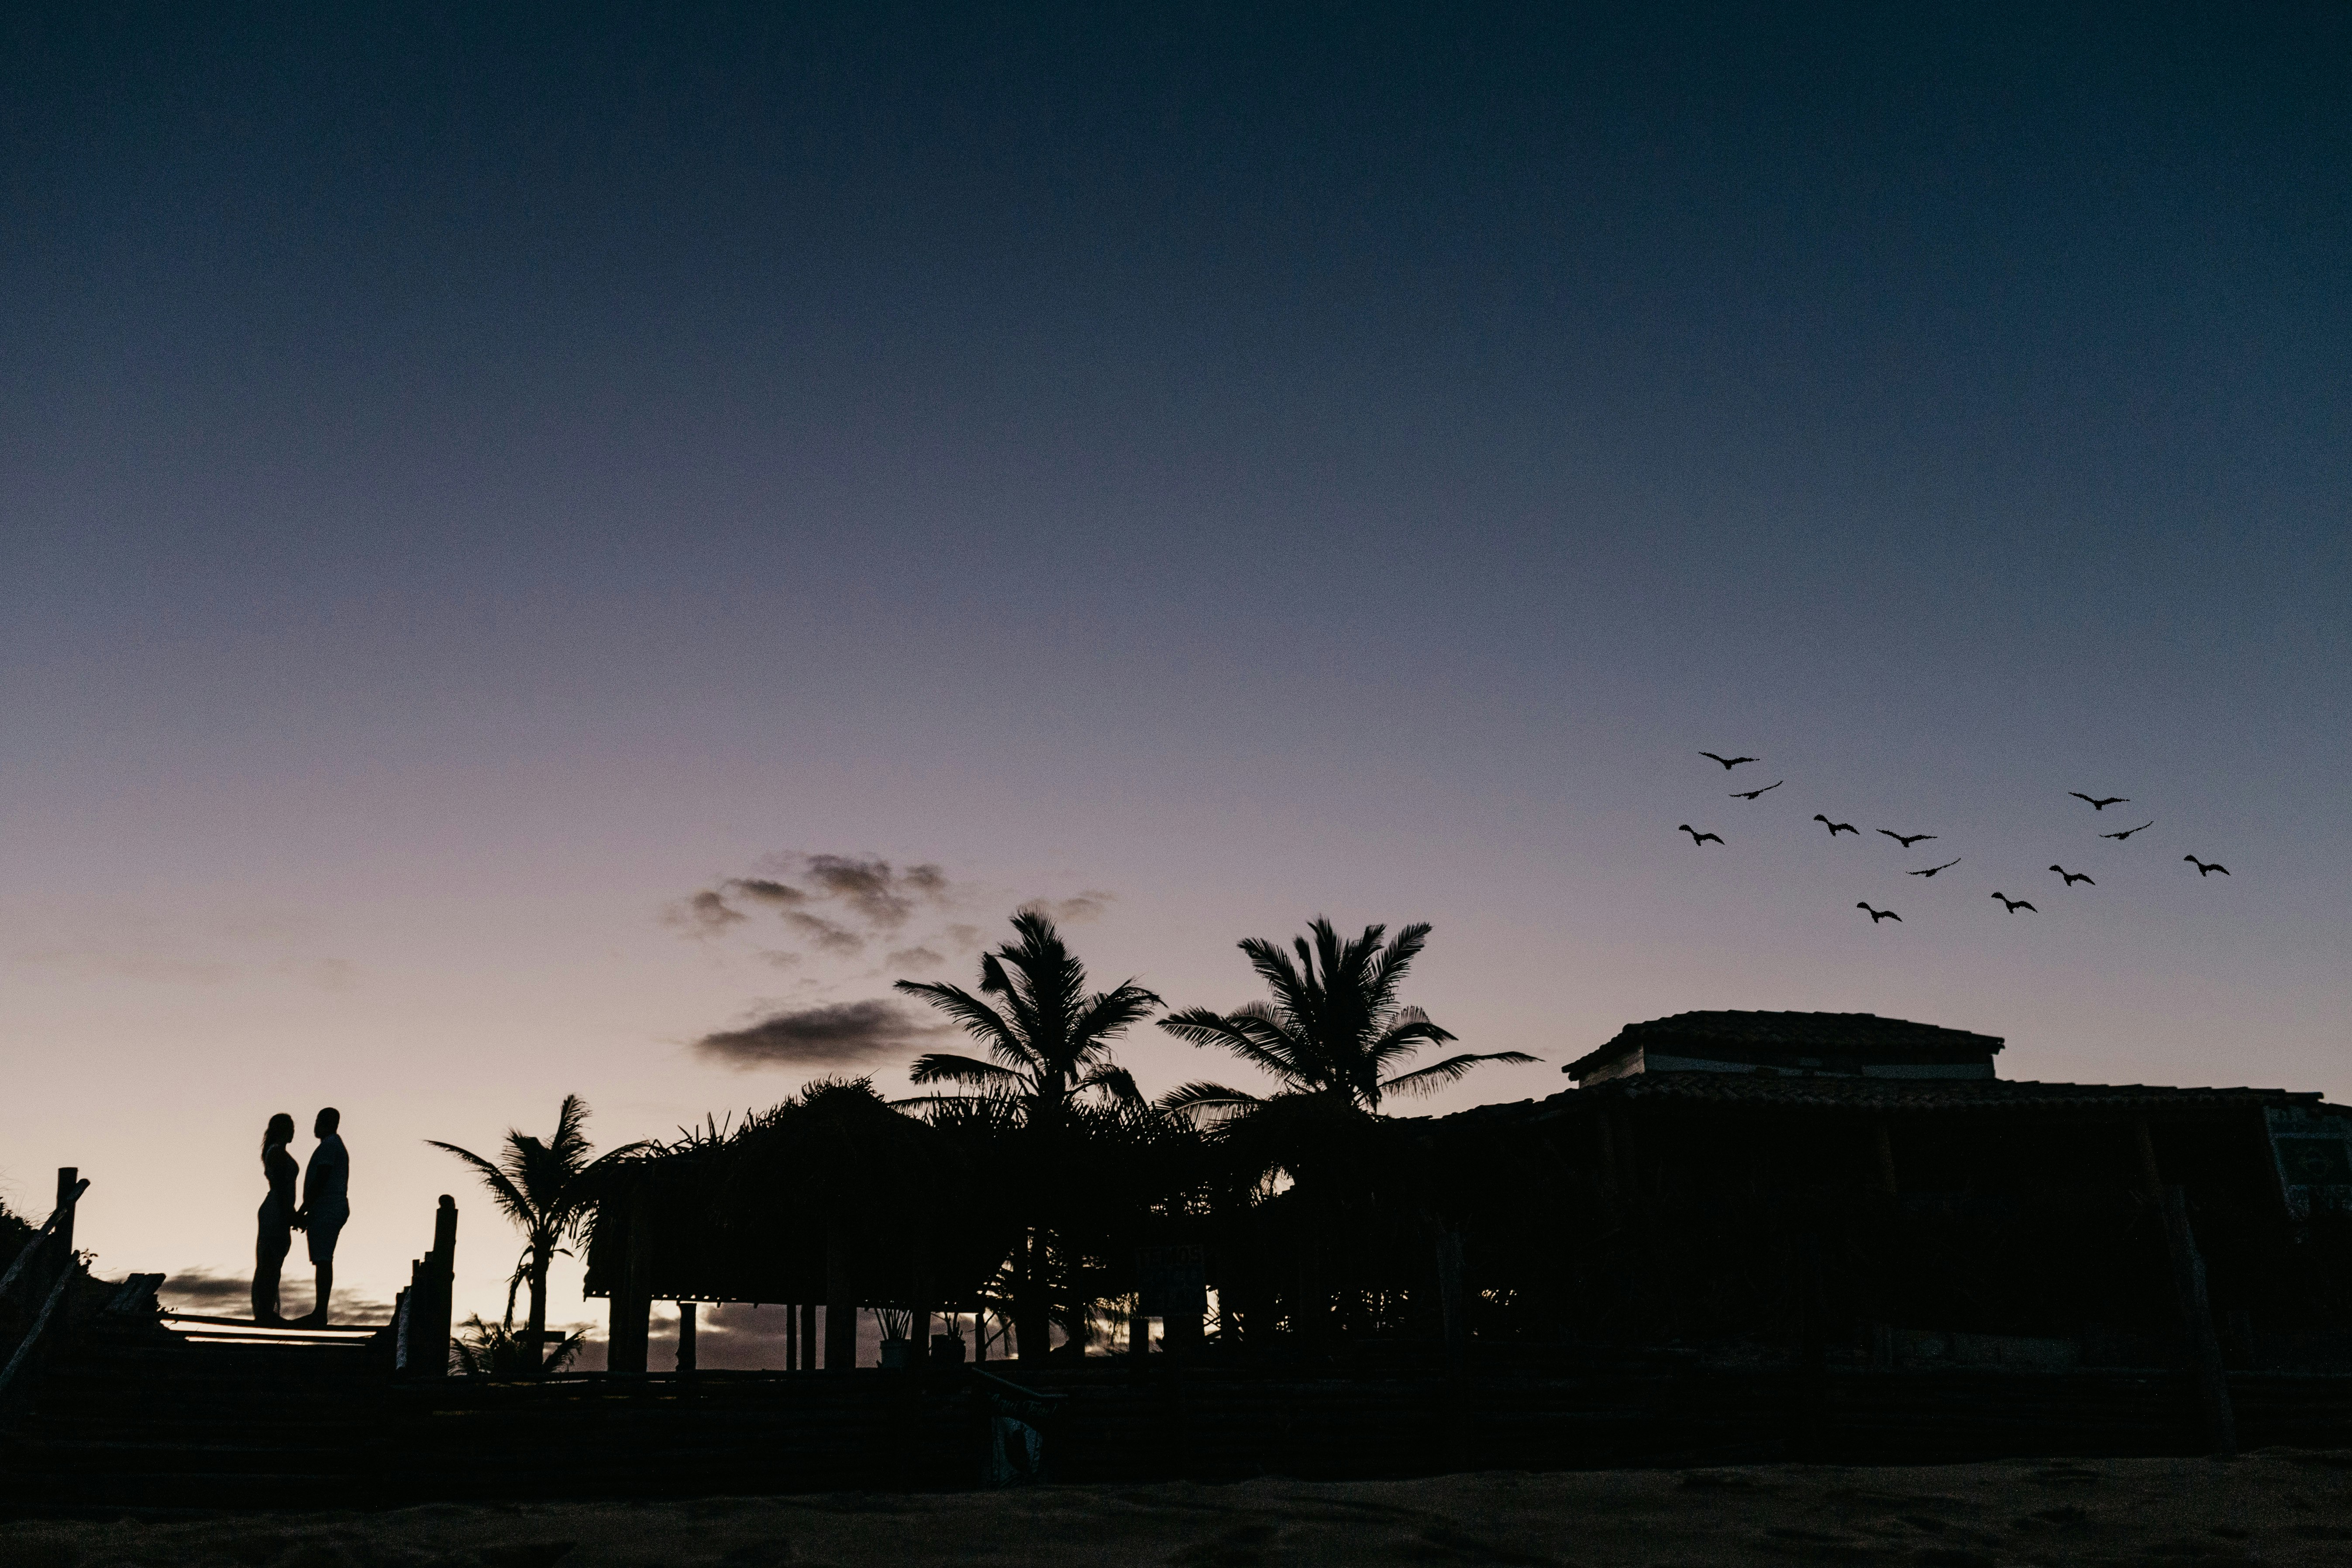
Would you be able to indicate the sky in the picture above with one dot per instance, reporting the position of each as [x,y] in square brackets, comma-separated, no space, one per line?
[487,494]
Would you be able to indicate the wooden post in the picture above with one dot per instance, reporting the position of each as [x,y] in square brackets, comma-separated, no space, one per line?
[68,1184]
[633,1302]
[441,1293]
[2219,1421]
[686,1336]
[808,1336]
[61,1247]
[840,1303]
[412,1334]
[1451,1305]
[792,1338]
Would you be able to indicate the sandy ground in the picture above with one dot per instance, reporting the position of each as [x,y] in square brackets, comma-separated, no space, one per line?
[2275,1507]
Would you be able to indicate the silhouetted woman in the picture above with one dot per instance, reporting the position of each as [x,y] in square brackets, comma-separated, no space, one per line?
[276,1217]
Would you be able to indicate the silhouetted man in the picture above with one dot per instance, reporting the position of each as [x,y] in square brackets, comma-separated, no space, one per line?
[326,1203]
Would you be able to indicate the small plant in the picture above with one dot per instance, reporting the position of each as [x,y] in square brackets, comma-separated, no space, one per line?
[493,1351]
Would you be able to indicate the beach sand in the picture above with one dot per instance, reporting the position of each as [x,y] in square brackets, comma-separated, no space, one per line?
[2279,1507]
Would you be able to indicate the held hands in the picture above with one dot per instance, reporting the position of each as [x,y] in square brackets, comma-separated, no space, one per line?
[301,1220]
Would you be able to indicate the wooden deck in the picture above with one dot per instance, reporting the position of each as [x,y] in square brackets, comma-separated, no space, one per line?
[156,1420]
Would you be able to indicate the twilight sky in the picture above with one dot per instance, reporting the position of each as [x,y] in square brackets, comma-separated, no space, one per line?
[471,484]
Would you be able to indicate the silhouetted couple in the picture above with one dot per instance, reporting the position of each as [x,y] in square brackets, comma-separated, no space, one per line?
[326,1204]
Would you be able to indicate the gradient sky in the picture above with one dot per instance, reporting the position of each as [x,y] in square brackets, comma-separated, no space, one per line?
[470,481]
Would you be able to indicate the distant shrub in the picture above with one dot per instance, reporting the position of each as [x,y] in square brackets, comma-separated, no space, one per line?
[487,1350]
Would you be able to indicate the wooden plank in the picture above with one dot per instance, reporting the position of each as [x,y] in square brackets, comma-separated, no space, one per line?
[25,1346]
[360,1328]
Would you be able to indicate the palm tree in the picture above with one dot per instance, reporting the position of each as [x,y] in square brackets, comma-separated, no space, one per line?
[1049,1039]
[548,1191]
[1334,1028]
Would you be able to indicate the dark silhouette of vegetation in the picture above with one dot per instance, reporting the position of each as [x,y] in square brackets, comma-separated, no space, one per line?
[1049,1038]
[1334,1028]
[491,1349]
[1048,1042]
[549,1190]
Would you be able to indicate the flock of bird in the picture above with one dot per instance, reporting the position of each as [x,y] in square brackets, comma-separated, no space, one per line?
[2068,879]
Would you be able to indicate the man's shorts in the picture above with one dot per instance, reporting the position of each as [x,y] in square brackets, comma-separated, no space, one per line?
[324,1229]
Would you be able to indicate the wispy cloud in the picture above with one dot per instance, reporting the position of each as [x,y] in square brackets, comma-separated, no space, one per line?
[1077,909]
[706,913]
[831,1034]
[872,891]
[834,903]
[825,935]
[204,1291]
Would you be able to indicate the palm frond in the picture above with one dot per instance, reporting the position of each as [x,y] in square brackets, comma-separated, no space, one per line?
[1106,1017]
[1212,1101]
[1438,1074]
[1387,970]
[977,1018]
[944,1067]
[1115,1081]
[511,1199]
[1254,1036]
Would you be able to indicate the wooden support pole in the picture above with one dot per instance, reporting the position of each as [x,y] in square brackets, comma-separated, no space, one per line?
[625,1346]
[2217,1420]
[1452,1306]
[441,1293]
[68,1197]
[840,1303]
[808,1336]
[686,1336]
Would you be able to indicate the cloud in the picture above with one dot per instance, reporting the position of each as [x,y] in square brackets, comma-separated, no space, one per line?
[831,1034]
[765,890]
[823,935]
[881,897]
[704,914]
[1074,910]
[965,938]
[915,958]
[865,896]
[201,1290]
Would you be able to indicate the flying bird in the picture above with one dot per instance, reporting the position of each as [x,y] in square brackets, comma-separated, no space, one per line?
[1933,870]
[1697,837]
[1878,915]
[1836,827]
[2127,832]
[2204,866]
[2100,804]
[2073,877]
[1906,840]
[1752,793]
[1728,763]
[2013,905]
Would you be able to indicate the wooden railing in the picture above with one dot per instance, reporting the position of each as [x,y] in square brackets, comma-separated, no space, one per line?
[43,1272]
[421,1313]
